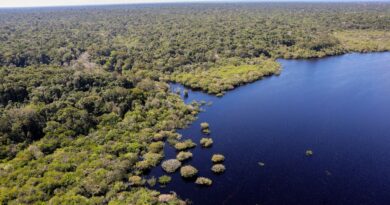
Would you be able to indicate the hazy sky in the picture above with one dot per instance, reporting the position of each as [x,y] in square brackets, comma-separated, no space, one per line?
[38,3]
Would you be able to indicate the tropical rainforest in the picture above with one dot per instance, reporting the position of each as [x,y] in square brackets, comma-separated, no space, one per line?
[85,104]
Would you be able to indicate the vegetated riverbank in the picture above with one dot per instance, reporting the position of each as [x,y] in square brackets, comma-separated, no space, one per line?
[336,107]
[226,74]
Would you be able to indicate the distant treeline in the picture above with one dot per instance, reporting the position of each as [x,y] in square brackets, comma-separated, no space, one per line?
[168,36]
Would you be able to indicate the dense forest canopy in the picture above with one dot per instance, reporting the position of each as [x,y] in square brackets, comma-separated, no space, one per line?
[166,36]
[85,107]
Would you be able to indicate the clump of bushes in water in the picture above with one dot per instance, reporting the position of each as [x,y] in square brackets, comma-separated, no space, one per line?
[186,93]
[206,142]
[205,127]
[203,181]
[188,171]
[152,181]
[218,168]
[216,158]
[181,156]
[171,165]
[187,144]
[164,179]
[206,131]
[309,153]
[169,199]
[136,181]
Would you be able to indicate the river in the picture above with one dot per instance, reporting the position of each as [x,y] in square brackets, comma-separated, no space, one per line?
[338,107]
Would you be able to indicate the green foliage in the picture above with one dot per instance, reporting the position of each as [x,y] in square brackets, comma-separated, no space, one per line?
[84,102]
[216,158]
[136,181]
[164,179]
[182,156]
[170,165]
[206,142]
[156,147]
[364,40]
[81,144]
[227,75]
[188,171]
[204,125]
[218,168]
[203,181]
[186,144]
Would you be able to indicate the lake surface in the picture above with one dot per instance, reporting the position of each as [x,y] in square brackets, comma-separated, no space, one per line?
[339,107]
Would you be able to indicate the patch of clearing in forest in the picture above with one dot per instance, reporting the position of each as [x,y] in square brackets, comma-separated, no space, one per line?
[364,40]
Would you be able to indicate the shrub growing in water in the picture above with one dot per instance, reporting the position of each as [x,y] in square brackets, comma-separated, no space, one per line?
[151,181]
[218,168]
[309,153]
[206,142]
[216,158]
[188,171]
[181,156]
[203,181]
[164,179]
[204,125]
[187,144]
[171,165]
[206,131]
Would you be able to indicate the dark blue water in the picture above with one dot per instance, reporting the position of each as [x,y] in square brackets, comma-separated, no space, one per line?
[339,107]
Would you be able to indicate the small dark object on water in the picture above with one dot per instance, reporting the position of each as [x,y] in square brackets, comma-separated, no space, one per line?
[309,153]
[261,164]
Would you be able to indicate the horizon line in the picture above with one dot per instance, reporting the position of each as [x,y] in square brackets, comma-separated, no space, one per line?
[194,1]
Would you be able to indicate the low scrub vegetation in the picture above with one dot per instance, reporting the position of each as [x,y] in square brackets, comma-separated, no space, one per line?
[203,181]
[164,179]
[364,40]
[206,142]
[171,165]
[217,158]
[218,168]
[187,144]
[204,125]
[182,156]
[188,171]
